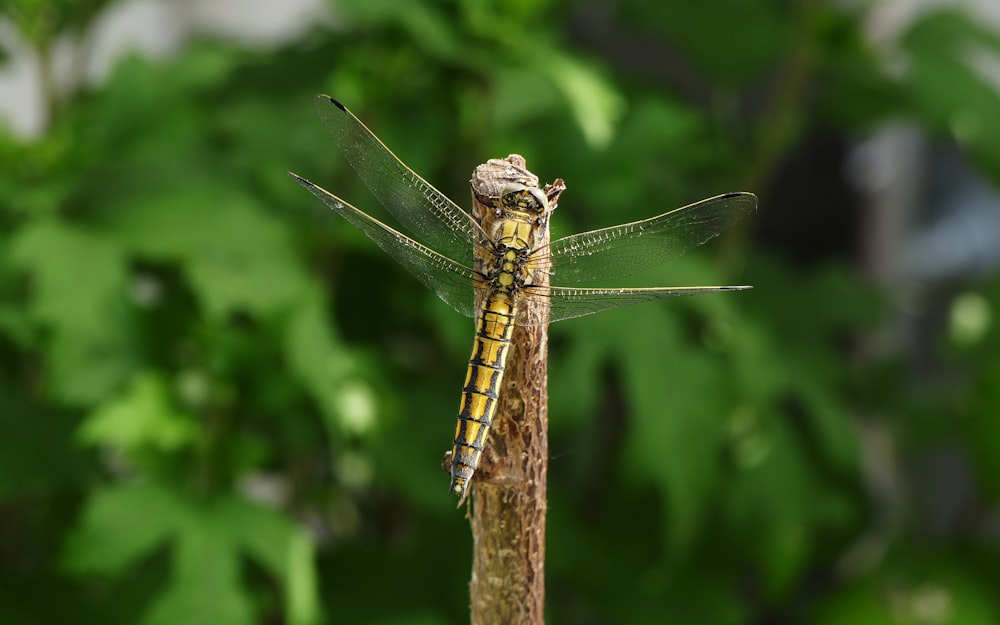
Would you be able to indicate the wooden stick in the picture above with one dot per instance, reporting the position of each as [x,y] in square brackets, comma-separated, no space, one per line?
[507,515]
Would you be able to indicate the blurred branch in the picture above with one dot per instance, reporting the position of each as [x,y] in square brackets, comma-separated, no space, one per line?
[509,497]
[42,24]
[783,113]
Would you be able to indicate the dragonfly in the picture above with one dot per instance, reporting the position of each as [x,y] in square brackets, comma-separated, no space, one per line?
[494,271]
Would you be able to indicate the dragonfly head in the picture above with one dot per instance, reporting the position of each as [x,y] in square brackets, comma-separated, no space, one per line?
[523,199]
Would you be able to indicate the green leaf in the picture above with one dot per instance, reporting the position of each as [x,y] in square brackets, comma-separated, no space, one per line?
[236,256]
[945,85]
[831,423]
[423,23]
[594,102]
[202,600]
[770,498]
[282,548]
[574,377]
[78,275]
[522,93]
[140,417]
[679,399]
[326,368]
[121,525]
[302,603]
[85,369]
[124,524]
[78,284]
[205,586]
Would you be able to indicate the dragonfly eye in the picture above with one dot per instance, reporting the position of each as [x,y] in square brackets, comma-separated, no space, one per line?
[525,199]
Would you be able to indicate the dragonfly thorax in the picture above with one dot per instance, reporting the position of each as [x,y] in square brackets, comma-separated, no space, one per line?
[508,271]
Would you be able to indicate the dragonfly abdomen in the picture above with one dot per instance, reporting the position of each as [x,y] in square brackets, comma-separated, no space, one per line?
[506,273]
[482,386]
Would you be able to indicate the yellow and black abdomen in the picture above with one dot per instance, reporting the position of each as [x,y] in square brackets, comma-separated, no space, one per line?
[482,387]
[507,272]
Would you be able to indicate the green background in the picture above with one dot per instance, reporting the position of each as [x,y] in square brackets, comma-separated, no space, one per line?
[220,404]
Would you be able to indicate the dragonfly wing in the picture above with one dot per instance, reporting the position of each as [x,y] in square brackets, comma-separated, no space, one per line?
[629,248]
[423,210]
[567,303]
[452,281]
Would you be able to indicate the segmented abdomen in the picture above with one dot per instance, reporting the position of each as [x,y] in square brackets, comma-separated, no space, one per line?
[482,387]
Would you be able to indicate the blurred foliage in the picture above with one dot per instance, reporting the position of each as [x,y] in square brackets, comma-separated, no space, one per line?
[220,405]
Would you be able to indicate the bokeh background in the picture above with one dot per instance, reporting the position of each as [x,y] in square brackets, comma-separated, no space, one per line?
[221,404]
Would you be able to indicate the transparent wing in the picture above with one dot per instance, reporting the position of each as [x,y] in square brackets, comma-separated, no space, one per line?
[452,281]
[629,248]
[424,211]
[439,223]
[567,303]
